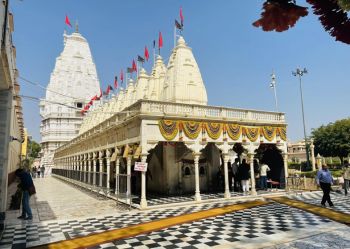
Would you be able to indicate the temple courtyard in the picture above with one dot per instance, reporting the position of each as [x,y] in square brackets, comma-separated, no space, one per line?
[66,216]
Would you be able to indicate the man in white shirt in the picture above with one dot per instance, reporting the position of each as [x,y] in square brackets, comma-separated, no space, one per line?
[263,175]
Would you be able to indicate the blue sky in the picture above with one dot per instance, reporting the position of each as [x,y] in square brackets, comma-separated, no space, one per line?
[235,58]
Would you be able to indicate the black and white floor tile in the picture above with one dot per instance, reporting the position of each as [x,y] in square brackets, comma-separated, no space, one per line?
[241,226]
[340,201]
[233,230]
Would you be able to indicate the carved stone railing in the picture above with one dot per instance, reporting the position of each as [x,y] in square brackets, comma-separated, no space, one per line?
[180,110]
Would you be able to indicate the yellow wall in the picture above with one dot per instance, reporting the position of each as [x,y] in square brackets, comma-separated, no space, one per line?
[24,144]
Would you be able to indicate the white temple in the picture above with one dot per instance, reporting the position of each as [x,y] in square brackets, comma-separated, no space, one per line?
[163,119]
[72,83]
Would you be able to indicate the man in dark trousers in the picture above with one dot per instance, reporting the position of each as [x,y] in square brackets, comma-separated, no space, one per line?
[325,180]
[27,187]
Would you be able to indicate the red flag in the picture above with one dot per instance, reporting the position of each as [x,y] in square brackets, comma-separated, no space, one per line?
[108,89]
[146,53]
[181,17]
[121,76]
[160,40]
[134,68]
[94,98]
[115,82]
[67,21]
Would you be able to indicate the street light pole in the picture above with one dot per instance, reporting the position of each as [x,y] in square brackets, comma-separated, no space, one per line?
[300,72]
[273,85]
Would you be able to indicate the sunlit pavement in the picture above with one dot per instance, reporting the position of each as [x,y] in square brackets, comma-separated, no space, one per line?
[63,212]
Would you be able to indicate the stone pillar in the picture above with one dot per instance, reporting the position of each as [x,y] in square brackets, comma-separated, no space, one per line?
[227,193]
[94,160]
[84,167]
[108,166]
[128,171]
[143,203]
[285,164]
[319,161]
[252,176]
[312,148]
[117,167]
[89,164]
[196,172]
[101,167]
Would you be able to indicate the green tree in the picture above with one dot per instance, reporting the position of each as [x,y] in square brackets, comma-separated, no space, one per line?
[33,149]
[333,139]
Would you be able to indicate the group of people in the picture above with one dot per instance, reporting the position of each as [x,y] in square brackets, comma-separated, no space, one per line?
[38,171]
[239,175]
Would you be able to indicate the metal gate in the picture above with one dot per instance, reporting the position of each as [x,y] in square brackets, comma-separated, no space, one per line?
[123,184]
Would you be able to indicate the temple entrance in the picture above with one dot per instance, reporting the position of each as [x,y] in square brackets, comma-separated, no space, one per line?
[271,155]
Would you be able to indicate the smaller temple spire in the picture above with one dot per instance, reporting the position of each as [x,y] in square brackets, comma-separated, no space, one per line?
[76,27]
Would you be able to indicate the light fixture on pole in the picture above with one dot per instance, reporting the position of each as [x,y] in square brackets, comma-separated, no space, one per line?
[273,86]
[300,72]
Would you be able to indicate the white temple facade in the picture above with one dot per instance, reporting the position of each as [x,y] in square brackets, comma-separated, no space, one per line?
[163,119]
[73,82]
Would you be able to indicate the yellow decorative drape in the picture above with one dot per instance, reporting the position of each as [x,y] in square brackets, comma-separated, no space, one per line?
[282,131]
[252,133]
[214,130]
[168,128]
[234,131]
[269,132]
[191,129]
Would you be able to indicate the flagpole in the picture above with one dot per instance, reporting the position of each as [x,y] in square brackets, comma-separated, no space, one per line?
[138,69]
[174,36]
[154,56]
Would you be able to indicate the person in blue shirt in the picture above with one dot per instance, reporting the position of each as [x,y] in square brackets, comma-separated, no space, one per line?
[325,180]
[26,184]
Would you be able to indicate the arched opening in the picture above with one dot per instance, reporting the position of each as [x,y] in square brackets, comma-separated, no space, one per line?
[271,155]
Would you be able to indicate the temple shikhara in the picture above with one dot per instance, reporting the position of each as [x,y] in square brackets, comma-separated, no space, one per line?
[162,118]
[73,81]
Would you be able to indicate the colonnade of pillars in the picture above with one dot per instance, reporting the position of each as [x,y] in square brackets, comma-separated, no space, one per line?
[83,168]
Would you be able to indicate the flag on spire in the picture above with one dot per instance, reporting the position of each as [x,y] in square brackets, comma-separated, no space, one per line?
[115,82]
[154,44]
[134,68]
[181,17]
[109,88]
[146,53]
[160,40]
[121,76]
[178,25]
[67,21]
[140,59]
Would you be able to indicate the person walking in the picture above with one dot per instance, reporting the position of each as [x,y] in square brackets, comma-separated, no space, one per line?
[28,189]
[244,176]
[346,176]
[42,171]
[234,169]
[34,172]
[325,180]
[263,175]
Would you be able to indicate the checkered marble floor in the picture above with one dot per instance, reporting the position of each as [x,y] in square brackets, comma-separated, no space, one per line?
[154,199]
[340,201]
[244,229]
[31,234]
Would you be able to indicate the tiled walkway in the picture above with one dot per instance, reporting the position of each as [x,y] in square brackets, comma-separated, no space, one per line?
[274,225]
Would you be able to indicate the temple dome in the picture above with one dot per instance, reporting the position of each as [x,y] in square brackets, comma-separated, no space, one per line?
[183,80]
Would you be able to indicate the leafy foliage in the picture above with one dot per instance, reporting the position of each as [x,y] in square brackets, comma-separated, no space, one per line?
[33,149]
[280,15]
[333,139]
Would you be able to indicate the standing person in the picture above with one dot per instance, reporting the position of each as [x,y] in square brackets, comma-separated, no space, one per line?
[34,172]
[234,168]
[244,176]
[346,176]
[38,171]
[230,175]
[325,180]
[42,171]
[263,175]
[28,189]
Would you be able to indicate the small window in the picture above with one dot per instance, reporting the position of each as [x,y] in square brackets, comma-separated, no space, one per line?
[187,171]
[201,171]
[80,105]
